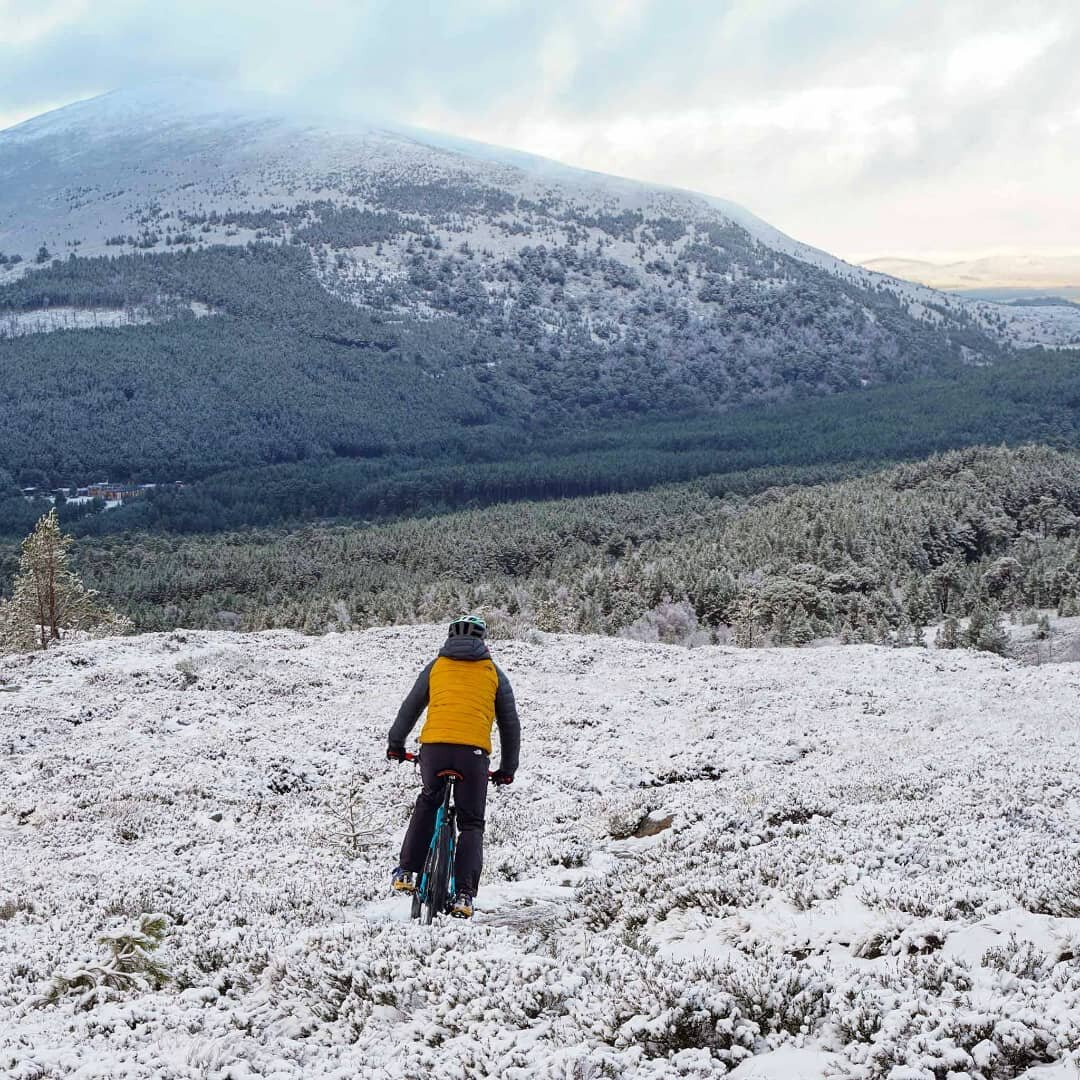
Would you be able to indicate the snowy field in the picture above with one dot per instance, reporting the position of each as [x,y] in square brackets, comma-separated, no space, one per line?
[786,864]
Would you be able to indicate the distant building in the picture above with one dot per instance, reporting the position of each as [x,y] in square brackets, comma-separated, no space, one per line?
[115,492]
[111,494]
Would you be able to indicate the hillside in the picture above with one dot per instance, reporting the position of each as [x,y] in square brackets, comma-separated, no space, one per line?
[862,861]
[411,295]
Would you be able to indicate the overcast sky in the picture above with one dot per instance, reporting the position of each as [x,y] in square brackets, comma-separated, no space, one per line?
[926,128]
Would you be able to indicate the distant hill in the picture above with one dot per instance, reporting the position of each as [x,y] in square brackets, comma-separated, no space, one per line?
[1047,272]
[1054,275]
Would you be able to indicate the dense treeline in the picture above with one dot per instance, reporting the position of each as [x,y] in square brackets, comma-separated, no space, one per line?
[1034,398]
[967,534]
[285,373]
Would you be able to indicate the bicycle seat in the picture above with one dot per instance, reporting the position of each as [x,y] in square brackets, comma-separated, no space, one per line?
[451,772]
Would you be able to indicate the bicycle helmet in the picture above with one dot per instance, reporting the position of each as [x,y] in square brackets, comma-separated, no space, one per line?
[468,626]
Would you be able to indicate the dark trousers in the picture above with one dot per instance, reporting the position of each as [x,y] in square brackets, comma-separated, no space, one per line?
[470,797]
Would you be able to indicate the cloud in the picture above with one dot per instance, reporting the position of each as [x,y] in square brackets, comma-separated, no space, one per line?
[901,125]
[23,23]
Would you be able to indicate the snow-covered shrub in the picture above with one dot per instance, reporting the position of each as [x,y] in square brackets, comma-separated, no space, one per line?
[129,967]
[795,812]
[929,900]
[922,1039]
[670,623]
[921,937]
[1061,898]
[665,1007]
[859,1012]
[461,982]
[938,974]
[778,994]
[876,941]
[664,880]
[627,816]
[1020,958]
[11,906]
[225,958]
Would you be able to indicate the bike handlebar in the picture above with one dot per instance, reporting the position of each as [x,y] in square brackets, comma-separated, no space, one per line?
[416,757]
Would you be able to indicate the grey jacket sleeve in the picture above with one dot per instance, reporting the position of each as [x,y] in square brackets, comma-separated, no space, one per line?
[509,727]
[411,708]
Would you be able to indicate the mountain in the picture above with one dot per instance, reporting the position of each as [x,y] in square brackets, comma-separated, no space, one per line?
[787,863]
[192,283]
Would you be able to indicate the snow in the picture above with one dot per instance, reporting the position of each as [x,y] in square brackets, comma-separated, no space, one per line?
[63,317]
[871,866]
[787,1063]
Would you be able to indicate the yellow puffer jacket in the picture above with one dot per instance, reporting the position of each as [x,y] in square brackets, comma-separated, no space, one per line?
[461,702]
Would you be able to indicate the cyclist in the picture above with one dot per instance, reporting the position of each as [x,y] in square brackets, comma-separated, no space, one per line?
[464,693]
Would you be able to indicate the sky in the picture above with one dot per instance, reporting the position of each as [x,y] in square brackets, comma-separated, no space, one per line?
[915,128]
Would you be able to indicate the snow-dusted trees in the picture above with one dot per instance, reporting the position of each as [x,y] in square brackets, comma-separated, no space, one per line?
[49,600]
[875,558]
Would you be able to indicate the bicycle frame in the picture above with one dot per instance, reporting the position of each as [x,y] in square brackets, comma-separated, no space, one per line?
[444,819]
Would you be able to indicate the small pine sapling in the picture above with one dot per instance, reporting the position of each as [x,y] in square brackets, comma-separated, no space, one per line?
[347,825]
[129,967]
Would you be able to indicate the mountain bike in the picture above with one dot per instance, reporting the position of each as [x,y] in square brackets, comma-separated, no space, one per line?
[436,889]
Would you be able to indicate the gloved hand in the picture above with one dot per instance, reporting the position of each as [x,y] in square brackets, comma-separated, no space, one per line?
[395,753]
[502,778]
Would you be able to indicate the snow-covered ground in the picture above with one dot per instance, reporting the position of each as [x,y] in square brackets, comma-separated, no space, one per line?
[49,320]
[846,861]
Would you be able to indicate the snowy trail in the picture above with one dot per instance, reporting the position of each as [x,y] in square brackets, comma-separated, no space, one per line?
[780,862]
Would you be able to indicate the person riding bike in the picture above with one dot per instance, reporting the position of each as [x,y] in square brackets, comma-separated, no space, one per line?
[464,693]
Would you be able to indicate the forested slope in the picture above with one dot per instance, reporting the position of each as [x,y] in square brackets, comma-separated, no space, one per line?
[867,558]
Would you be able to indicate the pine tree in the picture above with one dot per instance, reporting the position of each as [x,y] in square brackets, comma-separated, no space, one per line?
[748,614]
[948,635]
[992,635]
[49,599]
[977,623]
[801,630]
[14,635]
[917,602]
